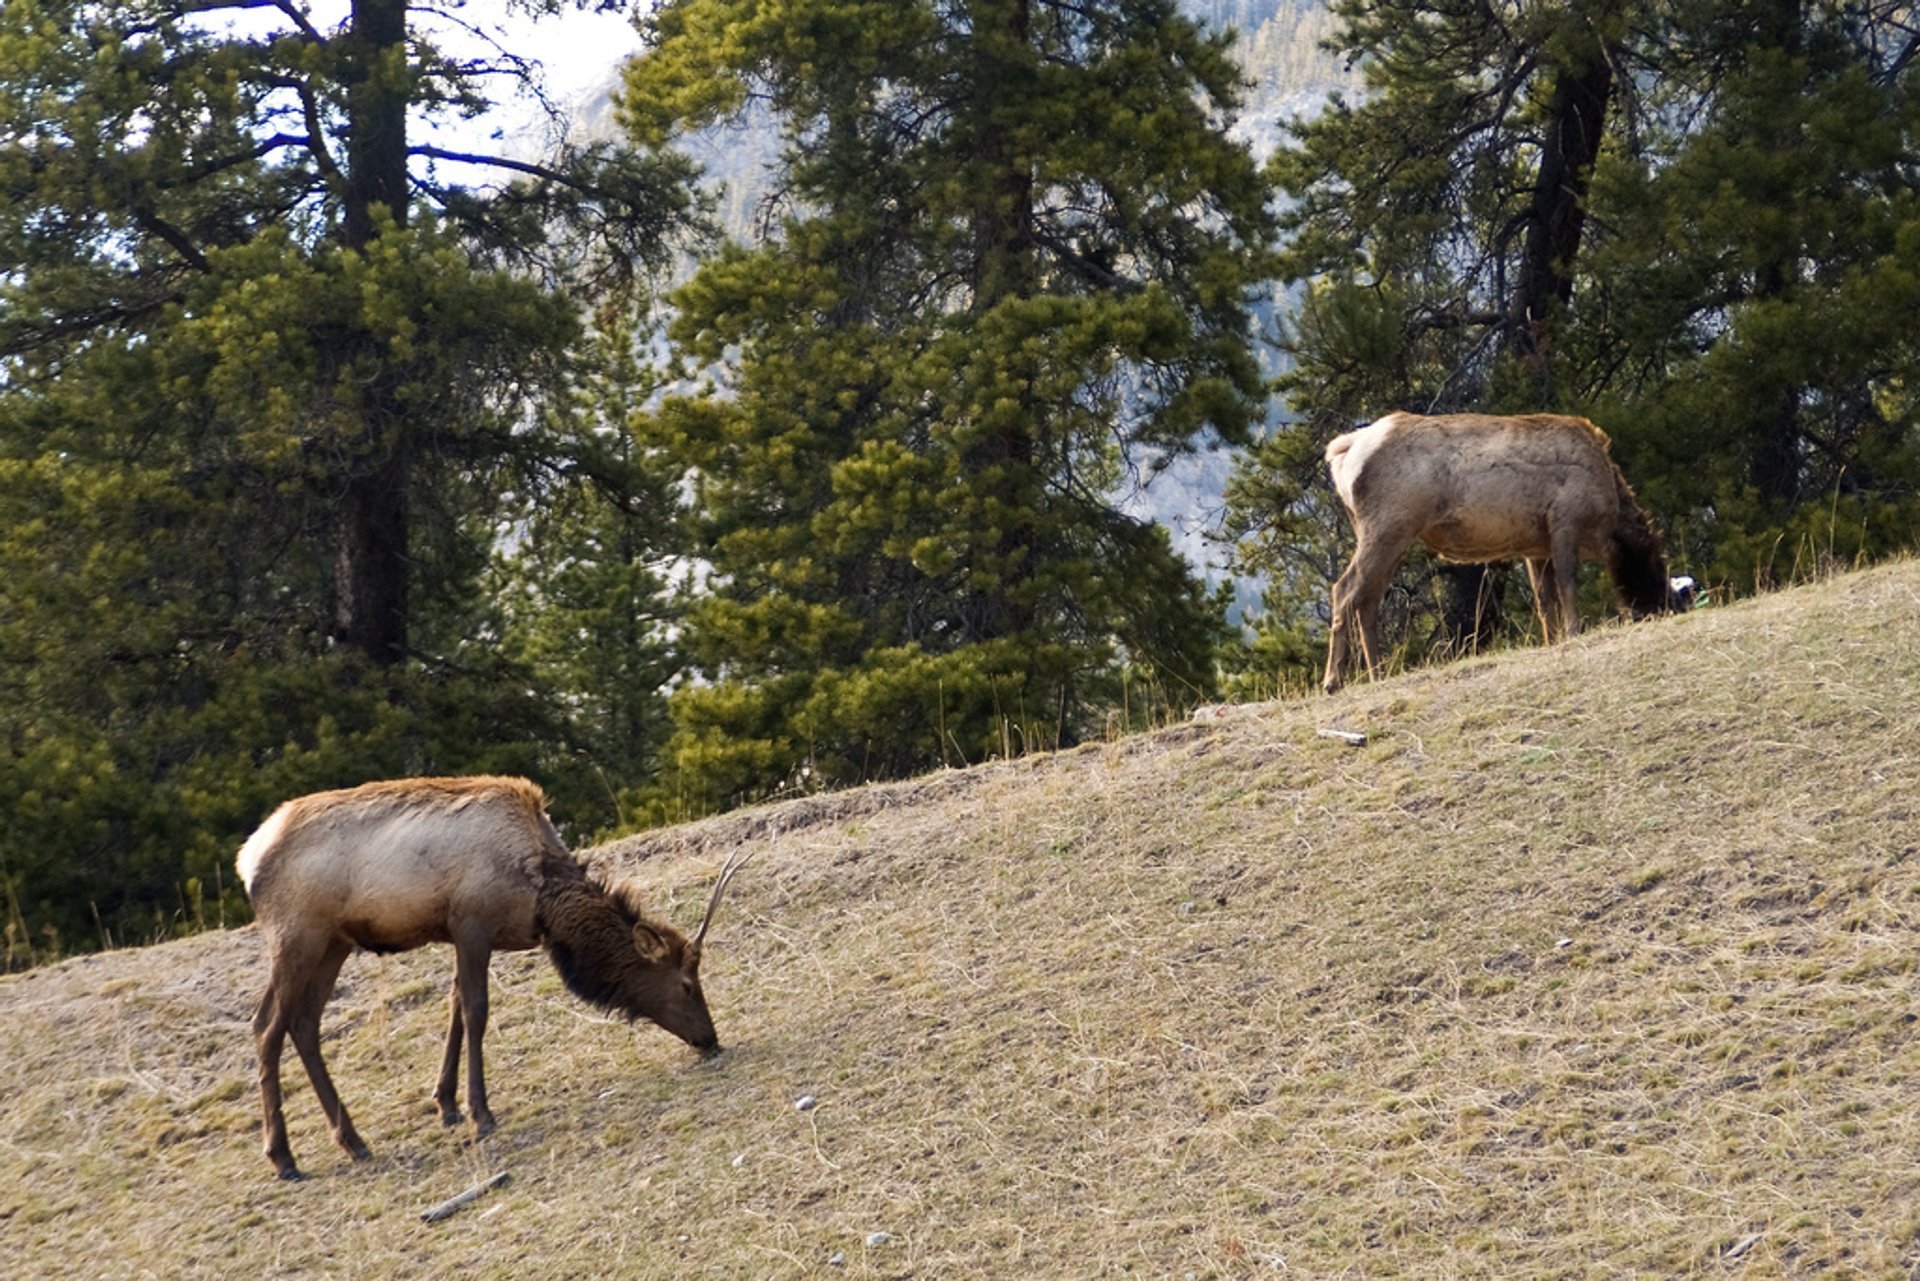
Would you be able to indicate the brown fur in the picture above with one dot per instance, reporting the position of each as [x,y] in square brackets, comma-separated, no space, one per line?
[1476,487]
[469,861]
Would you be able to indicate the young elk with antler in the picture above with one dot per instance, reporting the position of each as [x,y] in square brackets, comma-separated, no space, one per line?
[468,861]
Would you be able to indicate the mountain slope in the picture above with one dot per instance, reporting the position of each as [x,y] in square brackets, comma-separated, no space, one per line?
[1596,960]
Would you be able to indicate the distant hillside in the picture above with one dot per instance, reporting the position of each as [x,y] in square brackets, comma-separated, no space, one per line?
[1289,75]
[1592,961]
[1278,42]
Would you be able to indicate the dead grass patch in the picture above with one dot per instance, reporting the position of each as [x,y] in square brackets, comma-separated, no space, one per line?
[1592,962]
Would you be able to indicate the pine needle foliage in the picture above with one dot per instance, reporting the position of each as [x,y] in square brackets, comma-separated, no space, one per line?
[273,384]
[1006,274]
[1695,224]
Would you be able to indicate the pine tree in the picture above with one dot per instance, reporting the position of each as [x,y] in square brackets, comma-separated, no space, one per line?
[1748,305]
[1012,272]
[267,380]
[1689,222]
[586,584]
[1434,232]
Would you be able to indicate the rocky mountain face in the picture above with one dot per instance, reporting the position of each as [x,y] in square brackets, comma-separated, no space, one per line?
[1278,41]
[1288,74]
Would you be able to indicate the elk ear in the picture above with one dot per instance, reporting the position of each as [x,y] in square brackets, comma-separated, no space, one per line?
[690,959]
[650,945]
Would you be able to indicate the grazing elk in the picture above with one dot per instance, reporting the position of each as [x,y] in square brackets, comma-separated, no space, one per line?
[469,861]
[1474,487]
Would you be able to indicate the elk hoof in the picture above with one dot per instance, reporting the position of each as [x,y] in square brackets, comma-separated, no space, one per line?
[483,1126]
[291,1174]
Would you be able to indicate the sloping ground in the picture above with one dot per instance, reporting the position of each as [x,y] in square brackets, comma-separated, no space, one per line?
[1596,961]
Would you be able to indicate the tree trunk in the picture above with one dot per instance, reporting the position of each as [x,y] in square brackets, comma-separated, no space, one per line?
[1469,608]
[370,533]
[1557,215]
[1774,465]
[1004,270]
[370,562]
[1003,226]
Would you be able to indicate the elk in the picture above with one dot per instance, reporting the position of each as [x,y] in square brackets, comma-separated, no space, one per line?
[1475,488]
[474,862]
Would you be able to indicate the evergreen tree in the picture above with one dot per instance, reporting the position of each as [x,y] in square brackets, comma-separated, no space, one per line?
[1685,221]
[267,382]
[1011,275]
[1746,317]
[585,582]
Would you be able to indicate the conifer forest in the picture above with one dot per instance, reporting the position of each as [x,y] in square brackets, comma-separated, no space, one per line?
[339,441]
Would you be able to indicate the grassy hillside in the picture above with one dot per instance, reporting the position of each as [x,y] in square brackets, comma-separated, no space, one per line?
[1591,962]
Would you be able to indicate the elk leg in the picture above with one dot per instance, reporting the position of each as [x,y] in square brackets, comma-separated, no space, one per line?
[1369,611]
[471,955]
[444,1093]
[1356,598]
[1346,610]
[1546,596]
[1566,573]
[1339,612]
[305,1028]
[270,1039]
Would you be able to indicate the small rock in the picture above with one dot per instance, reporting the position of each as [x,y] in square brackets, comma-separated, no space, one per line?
[740,1160]
[805,1103]
[1563,943]
[875,1239]
[838,1259]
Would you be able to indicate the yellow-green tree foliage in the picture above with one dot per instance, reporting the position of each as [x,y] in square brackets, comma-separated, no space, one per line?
[1008,273]
[267,418]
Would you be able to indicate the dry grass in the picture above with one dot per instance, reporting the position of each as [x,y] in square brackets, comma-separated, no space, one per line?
[1594,962]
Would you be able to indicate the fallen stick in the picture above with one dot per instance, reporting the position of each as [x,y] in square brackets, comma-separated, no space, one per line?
[447,1207]
[1347,736]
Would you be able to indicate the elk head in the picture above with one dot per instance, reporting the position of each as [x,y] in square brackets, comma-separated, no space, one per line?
[661,980]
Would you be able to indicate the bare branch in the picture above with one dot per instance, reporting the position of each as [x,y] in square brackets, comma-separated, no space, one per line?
[495,162]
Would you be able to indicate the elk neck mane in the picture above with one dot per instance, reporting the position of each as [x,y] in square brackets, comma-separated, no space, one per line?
[588,931]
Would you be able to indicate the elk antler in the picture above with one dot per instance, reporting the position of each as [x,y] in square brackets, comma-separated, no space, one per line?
[735,861]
